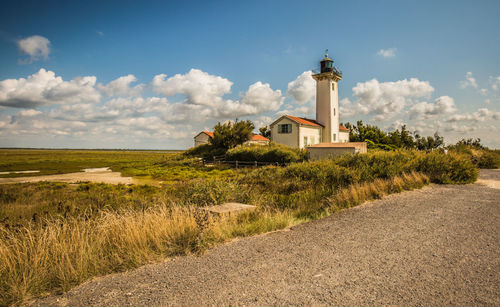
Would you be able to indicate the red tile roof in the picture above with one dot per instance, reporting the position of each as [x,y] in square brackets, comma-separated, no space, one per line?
[258,137]
[210,134]
[304,121]
[311,122]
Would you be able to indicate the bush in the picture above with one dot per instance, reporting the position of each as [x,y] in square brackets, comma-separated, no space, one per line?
[447,168]
[266,153]
[206,151]
[479,156]
[208,192]
[321,172]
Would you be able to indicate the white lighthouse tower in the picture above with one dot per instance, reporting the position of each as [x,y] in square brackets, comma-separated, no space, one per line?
[327,100]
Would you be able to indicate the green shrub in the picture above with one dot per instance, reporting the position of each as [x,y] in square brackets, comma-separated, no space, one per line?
[208,192]
[447,168]
[379,164]
[267,153]
[487,160]
[481,157]
[205,151]
[320,172]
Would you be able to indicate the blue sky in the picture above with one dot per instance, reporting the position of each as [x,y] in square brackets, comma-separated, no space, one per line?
[432,66]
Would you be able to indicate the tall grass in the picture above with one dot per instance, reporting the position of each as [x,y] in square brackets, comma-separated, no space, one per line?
[58,254]
[74,233]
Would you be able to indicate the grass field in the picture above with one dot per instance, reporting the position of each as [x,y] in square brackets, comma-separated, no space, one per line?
[161,165]
[55,235]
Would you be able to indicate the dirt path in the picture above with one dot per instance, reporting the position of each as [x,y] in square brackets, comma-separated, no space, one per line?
[103,175]
[435,246]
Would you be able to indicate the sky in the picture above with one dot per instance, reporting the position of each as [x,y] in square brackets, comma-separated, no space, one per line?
[152,74]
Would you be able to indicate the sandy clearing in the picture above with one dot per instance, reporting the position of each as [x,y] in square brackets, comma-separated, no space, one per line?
[96,176]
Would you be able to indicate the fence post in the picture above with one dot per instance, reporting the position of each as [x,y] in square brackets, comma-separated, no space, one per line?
[255,163]
[236,164]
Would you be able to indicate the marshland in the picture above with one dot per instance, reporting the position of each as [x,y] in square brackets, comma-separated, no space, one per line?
[57,235]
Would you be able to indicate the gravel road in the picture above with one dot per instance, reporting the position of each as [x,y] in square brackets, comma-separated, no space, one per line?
[436,246]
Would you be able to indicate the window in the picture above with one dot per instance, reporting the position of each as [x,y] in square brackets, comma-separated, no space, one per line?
[333,86]
[305,141]
[285,128]
[334,137]
[333,111]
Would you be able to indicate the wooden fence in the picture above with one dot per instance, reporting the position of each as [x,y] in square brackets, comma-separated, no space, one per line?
[219,160]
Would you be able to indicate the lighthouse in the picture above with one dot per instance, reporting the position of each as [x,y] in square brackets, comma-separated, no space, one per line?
[322,136]
[327,100]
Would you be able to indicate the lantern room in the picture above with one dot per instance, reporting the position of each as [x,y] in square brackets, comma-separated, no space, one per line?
[326,64]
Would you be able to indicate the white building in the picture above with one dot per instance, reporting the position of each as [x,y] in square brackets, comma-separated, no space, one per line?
[302,132]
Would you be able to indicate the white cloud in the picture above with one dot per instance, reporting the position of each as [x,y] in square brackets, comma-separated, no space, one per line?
[80,112]
[347,108]
[44,88]
[387,53]
[85,112]
[262,121]
[36,47]
[460,128]
[385,100]
[28,113]
[121,87]
[397,124]
[302,89]
[203,89]
[262,98]
[469,81]
[440,106]
[495,83]
[301,111]
[480,115]
[200,87]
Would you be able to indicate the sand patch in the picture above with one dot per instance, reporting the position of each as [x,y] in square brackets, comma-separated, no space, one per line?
[104,175]
[19,172]
[96,170]
[495,184]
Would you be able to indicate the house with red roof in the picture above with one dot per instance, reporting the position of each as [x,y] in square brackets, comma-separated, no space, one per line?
[302,132]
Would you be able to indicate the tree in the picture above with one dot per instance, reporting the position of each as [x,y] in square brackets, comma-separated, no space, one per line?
[470,142]
[232,134]
[399,138]
[361,132]
[265,131]
[428,143]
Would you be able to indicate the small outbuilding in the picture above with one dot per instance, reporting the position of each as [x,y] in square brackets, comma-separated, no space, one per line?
[205,136]
[330,150]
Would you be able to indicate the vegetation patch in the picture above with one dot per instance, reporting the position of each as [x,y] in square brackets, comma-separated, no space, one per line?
[55,236]
[266,153]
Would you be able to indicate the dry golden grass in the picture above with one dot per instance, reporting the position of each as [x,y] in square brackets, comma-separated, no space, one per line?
[57,256]
[361,192]
[54,256]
